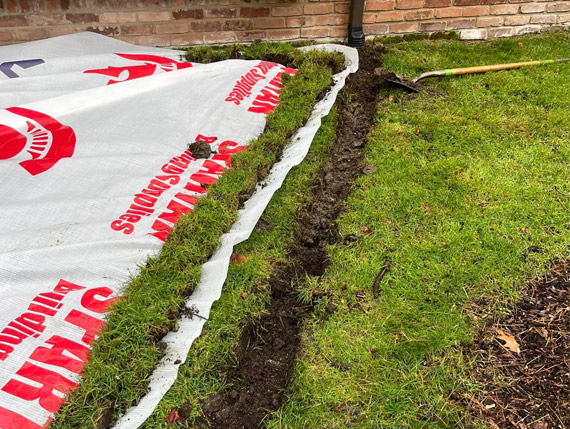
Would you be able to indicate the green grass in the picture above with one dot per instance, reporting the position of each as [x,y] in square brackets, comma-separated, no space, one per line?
[467,182]
[116,375]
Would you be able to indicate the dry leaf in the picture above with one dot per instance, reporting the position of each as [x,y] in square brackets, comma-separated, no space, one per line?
[366,230]
[237,258]
[391,98]
[173,416]
[510,342]
[417,132]
[244,295]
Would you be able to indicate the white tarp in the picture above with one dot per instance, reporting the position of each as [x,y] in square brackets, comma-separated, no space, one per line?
[94,173]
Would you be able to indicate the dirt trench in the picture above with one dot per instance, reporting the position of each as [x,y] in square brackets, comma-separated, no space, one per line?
[268,349]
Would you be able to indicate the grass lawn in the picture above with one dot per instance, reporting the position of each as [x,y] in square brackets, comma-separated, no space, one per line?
[469,202]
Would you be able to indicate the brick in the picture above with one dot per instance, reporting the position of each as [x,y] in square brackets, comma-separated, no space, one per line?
[437,3]
[284,34]
[318,8]
[504,9]
[428,27]
[171,28]
[376,29]
[254,12]
[154,16]
[301,21]
[186,39]
[219,37]
[12,5]
[117,17]
[339,32]
[473,34]
[491,21]
[533,7]
[558,7]
[238,25]
[517,20]
[379,5]
[30,34]
[564,18]
[476,10]
[467,2]
[543,19]
[51,4]
[47,19]
[13,21]
[404,27]
[527,29]
[342,8]
[136,30]
[315,33]
[331,20]
[418,15]
[390,16]
[252,36]
[269,23]
[287,10]
[82,18]
[188,14]
[62,30]
[5,36]
[449,12]
[368,18]
[222,12]
[460,24]
[499,32]
[154,40]
[409,4]
[206,26]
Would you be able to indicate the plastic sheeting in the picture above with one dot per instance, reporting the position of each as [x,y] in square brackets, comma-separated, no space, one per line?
[94,173]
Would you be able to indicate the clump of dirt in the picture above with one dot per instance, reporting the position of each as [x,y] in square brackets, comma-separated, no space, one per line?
[200,150]
[267,350]
[530,389]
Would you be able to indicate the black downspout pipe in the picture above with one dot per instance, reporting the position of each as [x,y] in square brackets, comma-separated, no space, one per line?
[355,33]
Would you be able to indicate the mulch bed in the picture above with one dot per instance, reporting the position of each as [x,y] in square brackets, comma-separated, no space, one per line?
[530,389]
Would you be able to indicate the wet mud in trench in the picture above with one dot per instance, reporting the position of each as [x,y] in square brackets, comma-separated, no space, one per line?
[528,389]
[268,349]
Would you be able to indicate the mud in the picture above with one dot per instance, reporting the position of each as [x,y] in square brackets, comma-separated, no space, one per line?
[530,389]
[200,150]
[267,350]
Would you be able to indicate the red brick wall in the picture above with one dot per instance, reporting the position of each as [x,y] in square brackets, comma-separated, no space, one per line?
[187,22]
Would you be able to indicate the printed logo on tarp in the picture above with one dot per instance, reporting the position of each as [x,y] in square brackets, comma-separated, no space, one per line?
[145,201]
[153,64]
[268,98]
[38,139]
[43,379]
[7,67]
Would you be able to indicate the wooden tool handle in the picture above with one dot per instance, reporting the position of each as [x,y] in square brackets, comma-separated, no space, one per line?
[494,67]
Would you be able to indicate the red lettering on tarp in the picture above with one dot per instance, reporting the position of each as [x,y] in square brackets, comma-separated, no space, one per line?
[244,86]
[161,230]
[11,420]
[55,356]
[91,325]
[90,302]
[50,381]
[152,64]
[268,99]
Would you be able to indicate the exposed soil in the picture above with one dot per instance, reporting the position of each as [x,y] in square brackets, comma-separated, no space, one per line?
[531,389]
[267,350]
[200,150]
